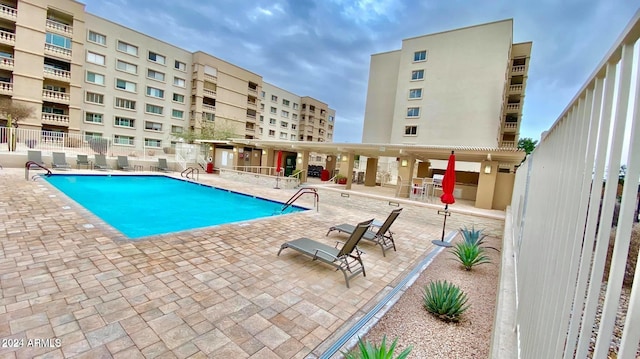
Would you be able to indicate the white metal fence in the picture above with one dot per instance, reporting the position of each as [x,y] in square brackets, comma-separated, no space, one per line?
[21,140]
[562,217]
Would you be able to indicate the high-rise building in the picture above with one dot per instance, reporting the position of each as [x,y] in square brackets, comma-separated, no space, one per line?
[82,74]
[458,87]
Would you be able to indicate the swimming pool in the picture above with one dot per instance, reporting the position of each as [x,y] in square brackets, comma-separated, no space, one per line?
[141,206]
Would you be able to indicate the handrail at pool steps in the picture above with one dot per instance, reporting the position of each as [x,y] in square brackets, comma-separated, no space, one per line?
[299,193]
[27,167]
[191,171]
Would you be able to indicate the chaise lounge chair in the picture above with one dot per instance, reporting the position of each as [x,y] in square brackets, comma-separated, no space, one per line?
[383,237]
[82,160]
[346,259]
[162,165]
[59,160]
[101,163]
[123,163]
[35,156]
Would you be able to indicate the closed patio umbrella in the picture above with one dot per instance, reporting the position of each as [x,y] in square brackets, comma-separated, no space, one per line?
[448,184]
[278,168]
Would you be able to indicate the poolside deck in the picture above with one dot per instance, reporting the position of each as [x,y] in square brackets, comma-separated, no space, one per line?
[214,292]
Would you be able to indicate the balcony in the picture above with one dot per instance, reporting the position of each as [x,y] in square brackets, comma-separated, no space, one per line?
[57,51]
[515,88]
[55,119]
[7,12]
[251,116]
[6,63]
[55,96]
[208,92]
[513,106]
[510,126]
[57,74]
[211,78]
[208,107]
[59,27]
[518,69]
[252,104]
[507,144]
[7,38]
[6,88]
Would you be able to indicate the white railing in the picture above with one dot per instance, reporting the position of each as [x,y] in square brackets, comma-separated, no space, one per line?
[513,106]
[6,62]
[7,37]
[57,73]
[57,50]
[55,119]
[515,88]
[55,95]
[210,77]
[209,92]
[58,26]
[6,87]
[562,210]
[510,125]
[208,108]
[517,68]
[8,11]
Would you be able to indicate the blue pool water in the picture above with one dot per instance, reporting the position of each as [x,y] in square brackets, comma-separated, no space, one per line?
[140,206]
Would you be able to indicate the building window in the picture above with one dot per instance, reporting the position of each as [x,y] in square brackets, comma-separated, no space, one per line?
[154,109]
[284,124]
[124,122]
[286,102]
[284,135]
[124,103]
[274,110]
[179,82]
[154,92]
[58,40]
[295,106]
[420,56]
[294,116]
[126,67]
[93,117]
[152,142]
[155,75]
[153,126]
[128,48]
[331,118]
[208,116]
[180,65]
[272,133]
[294,126]
[177,114]
[285,113]
[95,78]
[417,74]
[413,111]
[95,58]
[94,98]
[272,121]
[293,137]
[261,118]
[415,93]
[157,58]
[97,38]
[262,94]
[176,129]
[410,130]
[126,85]
[123,140]
[274,98]
[88,136]
[178,98]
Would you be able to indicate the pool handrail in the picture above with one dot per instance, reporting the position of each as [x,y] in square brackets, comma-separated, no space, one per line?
[299,193]
[27,167]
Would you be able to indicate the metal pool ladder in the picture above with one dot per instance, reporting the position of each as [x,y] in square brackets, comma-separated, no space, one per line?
[299,193]
[191,171]
[27,167]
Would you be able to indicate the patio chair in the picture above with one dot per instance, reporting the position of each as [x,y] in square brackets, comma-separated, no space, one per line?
[382,237]
[82,160]
[101,163]
[347,259]
[162,165]
[59,160]
[123,163]
[35,156]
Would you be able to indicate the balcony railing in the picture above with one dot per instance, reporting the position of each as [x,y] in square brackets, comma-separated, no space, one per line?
[210,77]
[510,125]
[517,69]
[53,118]
[59,27]
[8,12]
[513,106]
[253,90]
[57,73]
[6,63]
[252,104]
[251,116]
[507,144]
[208,108]
[55,96]
[57,50]
[6,87]
[209,92]
[515,88]
[7,37]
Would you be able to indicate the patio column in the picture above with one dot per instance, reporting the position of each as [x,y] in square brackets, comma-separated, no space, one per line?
[423,169]
[486,184]
[372,170]
[303,164]
[237,161]
[349,173]
[268,160]
[330,164]
[406,165]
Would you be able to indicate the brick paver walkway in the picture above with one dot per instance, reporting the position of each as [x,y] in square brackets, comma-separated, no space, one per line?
[74,283]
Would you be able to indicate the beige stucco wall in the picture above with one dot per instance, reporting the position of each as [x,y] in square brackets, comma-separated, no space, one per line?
[503,191]
[292,120]
[381,92]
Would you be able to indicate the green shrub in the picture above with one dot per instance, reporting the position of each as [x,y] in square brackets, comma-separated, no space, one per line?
[371,351]
[445,300]
[472,236]
[470,255]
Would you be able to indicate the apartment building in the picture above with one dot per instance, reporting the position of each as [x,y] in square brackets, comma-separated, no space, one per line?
[82,74]
[458,87]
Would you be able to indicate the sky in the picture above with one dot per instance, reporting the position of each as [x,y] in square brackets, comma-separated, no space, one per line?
[322,48]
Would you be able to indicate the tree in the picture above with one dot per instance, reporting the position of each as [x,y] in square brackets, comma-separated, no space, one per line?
[527,144]
[209,130]
[14,112]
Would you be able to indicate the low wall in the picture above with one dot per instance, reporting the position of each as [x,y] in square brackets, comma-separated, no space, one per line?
[259,179]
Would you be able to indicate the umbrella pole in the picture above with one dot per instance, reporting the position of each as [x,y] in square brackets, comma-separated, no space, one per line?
[446,206]
[446,214]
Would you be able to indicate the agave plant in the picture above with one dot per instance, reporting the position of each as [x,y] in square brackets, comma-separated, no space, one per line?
[470,255]
[366,350]
[472,236]
[445,300]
